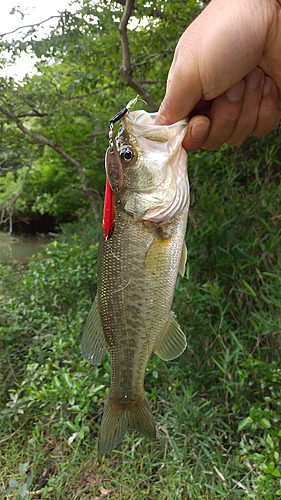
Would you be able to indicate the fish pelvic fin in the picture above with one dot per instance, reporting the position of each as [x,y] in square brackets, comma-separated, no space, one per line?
[116,421]
[93,343]
[172,342]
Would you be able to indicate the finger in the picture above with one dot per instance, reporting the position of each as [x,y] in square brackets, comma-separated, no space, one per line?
[224,115]
[178,103]
[197,132]
[270,109]
[247,120]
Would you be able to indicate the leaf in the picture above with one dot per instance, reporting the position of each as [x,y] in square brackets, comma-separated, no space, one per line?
[244,423]
[29,480]
[265,423]
[22,490]
[267,468]
[249,288]
[257,456]
[67,379]
[23,468]
[104,492]
[269,441]
[13,483]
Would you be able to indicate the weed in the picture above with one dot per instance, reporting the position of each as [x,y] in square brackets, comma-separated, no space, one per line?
[217,407]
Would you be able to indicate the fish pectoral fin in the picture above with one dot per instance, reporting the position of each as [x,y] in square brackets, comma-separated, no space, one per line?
[93,343]
[173,341]
[183,260]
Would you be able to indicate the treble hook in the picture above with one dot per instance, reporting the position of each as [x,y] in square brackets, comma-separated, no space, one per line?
[123,111]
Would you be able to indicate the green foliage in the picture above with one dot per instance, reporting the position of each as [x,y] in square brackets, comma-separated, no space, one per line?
[47,312]
[53,189]
[20,489]
[260,430]
[76,89]
[9,189]
[217,408]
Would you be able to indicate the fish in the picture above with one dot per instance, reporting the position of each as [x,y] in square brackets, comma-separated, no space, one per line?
[140,254]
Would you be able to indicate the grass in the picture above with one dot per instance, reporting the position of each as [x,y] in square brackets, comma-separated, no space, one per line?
[157,470]
[217,408]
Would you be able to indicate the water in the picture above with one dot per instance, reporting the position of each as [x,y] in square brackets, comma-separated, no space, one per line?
[19,248]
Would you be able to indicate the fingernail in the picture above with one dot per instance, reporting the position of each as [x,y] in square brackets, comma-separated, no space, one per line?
[199,129]
[235,93]
[267,88]
[253,79]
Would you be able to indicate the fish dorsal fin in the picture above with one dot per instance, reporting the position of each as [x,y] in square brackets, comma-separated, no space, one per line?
[93,343]
[173,341]
[183,260]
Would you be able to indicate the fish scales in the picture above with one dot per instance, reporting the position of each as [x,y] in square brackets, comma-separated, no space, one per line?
[137,272]
[128,311]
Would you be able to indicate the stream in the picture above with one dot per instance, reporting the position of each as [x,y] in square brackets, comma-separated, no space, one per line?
[13,248]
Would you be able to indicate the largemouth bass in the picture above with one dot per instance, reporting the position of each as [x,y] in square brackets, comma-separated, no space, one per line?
[142,250]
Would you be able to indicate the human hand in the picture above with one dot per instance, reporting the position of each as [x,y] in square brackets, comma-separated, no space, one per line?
[214,77]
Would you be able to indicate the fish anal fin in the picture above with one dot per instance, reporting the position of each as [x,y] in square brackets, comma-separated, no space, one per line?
[183,260]
[93,343]
[117,420]
[172,342]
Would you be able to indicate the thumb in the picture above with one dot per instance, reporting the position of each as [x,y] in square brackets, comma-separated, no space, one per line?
[174,106]
[183,93]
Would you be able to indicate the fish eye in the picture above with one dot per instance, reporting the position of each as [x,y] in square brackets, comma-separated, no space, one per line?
[128,155]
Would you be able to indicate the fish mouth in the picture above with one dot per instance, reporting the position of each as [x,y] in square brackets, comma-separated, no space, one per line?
[143,124]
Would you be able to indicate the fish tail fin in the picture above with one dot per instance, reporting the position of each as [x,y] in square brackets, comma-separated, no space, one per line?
[116,421]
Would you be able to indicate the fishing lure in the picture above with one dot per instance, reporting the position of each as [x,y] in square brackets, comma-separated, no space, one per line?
[114,174]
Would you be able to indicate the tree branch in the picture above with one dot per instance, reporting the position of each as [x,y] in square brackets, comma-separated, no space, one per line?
[152,12]
[36,114]
[30,25]
[47,142]
[126,68]
[24,179]
[3,161]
